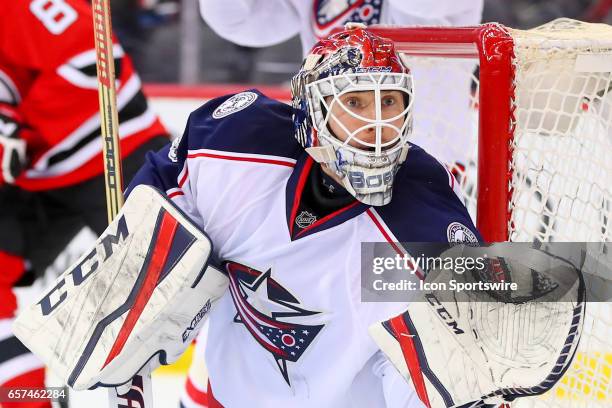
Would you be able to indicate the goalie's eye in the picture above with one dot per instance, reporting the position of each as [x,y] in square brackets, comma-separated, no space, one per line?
[389,100]
[353,102]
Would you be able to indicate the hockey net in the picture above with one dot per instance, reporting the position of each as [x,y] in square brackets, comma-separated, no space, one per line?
[524,119]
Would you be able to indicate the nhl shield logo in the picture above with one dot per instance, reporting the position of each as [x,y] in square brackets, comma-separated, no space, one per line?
[234,104]
[305,219]
[329,14]
[459,233]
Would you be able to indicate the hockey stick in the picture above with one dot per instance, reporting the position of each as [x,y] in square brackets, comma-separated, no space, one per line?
[139,389]
[108,107]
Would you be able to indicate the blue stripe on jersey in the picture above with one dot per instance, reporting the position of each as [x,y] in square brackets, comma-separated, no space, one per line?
[423,203]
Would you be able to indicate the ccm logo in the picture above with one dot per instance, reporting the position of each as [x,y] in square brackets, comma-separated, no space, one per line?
[443,313]
[85,268]
[359,180]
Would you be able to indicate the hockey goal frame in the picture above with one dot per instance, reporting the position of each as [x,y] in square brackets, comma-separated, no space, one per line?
[492,45]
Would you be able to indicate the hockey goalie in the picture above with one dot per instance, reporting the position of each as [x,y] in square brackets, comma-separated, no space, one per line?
[286,196]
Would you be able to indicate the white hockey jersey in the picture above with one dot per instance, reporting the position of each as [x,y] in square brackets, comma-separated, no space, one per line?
[292,330]
[261,23]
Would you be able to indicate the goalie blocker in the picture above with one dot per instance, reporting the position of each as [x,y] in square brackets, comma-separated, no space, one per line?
[141,294]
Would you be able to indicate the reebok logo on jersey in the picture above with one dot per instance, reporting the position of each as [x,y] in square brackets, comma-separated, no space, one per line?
[234,104]
[305,219]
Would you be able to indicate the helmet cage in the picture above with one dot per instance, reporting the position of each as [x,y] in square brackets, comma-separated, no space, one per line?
[354,61]
[367,170]
[336,86]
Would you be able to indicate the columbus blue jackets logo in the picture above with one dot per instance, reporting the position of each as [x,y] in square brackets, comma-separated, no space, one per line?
[271,314]
[234,104]
[456,232]
[329,14]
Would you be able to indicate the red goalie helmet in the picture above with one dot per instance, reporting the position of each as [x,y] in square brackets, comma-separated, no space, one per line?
[375,52]
[342,74]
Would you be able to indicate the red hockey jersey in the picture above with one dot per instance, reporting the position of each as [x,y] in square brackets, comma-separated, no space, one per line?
[48,73]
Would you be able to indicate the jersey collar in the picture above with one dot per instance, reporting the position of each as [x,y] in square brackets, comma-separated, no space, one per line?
[293,193]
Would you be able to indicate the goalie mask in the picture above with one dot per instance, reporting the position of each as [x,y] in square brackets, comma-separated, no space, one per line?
[352,104]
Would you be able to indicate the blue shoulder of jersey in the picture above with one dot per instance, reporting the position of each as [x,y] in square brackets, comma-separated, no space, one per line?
[424,207]
[248,122]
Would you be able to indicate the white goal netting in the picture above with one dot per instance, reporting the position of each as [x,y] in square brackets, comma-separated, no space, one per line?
[557,159]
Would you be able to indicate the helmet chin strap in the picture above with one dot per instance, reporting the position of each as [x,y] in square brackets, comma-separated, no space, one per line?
[326,156]
[322,154]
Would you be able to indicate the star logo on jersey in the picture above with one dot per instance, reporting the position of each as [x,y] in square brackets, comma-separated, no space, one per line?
[329,14]
[305,219]
[273,316]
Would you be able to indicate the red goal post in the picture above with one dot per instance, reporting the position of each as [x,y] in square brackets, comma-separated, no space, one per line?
[491,45]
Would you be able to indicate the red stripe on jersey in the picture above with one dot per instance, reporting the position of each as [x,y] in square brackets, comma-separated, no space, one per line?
[399,250]
[398,325]
[176,193]
[167,230]
[212,402]
[248,159]
[384,232]
[198,396]
[94,167]
[184,178]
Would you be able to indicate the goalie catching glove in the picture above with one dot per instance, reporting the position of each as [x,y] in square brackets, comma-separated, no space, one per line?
[475,347]
[140,294]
